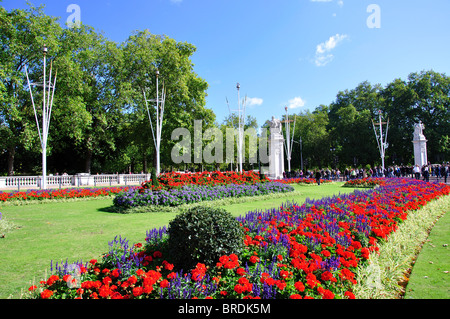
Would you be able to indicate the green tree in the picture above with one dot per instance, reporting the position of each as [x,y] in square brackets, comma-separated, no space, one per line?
[350,127]
[144,53]
[312,128]
[90,106]
[23,34]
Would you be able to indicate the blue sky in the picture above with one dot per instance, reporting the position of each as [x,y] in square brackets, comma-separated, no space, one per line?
[295,53]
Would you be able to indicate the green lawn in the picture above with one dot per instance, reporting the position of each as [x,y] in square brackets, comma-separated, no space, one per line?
[430,277]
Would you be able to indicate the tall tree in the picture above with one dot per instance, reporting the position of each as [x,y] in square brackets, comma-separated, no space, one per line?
[23,34]
[144,54]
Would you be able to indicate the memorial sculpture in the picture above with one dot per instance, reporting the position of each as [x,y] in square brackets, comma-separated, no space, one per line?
[276,153]
[420,145]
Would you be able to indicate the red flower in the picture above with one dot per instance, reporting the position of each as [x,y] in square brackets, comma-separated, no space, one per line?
[104,291]
[239,289]
[167,265]
[295,296]
[240,271]
[327,276]
[46,294]
[349,295]
[164,283]
[137,291]
[254,259]
[365,253]
[107,281]
[132,280]
[115,273]
[157,254]
[299,286]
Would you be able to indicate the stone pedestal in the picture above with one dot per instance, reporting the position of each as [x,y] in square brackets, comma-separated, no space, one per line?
[276,150]
[420,146]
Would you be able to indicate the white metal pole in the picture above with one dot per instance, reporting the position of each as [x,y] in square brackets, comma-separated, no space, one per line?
[240,129]
[382,143]
[158,134]
[288,140]
[44,130]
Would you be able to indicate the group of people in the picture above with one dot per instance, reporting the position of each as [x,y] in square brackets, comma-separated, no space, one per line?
[440,171]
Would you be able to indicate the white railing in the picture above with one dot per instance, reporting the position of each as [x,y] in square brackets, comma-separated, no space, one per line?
[55,181]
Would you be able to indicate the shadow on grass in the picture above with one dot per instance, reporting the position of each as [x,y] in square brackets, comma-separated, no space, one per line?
[109,209]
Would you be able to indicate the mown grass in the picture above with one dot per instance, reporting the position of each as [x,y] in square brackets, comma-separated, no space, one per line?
[430,277]
[388,273]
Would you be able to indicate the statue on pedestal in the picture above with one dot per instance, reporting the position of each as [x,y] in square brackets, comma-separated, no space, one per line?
[420,145]
[418,131]
[275,125]
[276,154]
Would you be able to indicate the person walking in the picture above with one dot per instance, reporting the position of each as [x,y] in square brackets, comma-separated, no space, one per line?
[318,176]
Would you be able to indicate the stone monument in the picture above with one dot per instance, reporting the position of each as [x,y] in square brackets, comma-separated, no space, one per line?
[276,147]
[420,145]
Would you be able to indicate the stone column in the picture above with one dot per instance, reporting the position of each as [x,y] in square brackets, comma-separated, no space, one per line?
[420,145]
[276,150]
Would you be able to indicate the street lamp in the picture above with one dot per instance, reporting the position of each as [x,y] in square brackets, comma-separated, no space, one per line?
[241,120]
[160,102]
[382,138]
[47,103]
[289,142]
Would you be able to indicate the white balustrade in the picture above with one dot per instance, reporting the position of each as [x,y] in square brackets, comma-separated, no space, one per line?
[82,179]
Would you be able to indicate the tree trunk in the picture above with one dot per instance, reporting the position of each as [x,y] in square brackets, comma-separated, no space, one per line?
[88,161]
[144,164]
[11,155]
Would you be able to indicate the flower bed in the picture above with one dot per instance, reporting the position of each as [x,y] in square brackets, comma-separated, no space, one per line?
[171,180]
[368,182]
[297,251]
[64,193]
[303,180]
[194,194]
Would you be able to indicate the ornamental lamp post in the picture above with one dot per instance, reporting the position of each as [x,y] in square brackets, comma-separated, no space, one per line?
[47,103]
[289,142]
[241,121]
[160,103]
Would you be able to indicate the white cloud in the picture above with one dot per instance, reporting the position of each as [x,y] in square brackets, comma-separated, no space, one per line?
[339,2]
[251,101]
[323,55]
[296,103]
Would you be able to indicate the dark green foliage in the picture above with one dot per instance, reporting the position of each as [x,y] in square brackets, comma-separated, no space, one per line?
[155,181]
[203,234]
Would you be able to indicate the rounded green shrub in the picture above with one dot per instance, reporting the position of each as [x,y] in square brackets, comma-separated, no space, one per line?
[203,234]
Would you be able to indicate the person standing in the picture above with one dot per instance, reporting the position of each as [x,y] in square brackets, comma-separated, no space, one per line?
[318,176]
[426,173]
[444,172]
[416,171]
